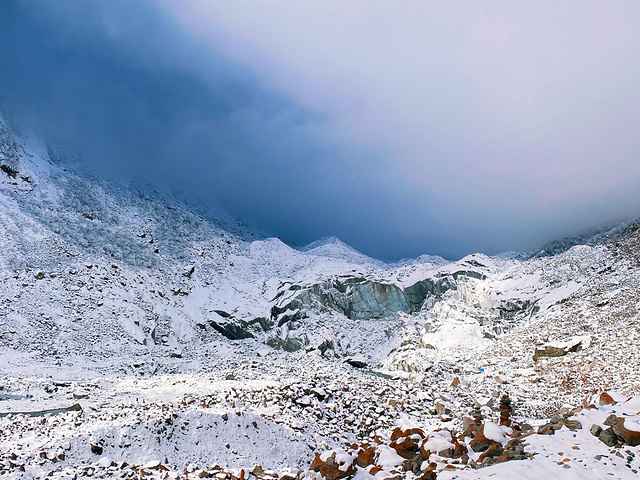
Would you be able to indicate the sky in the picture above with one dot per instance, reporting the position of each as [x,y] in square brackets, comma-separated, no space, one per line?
[403,127]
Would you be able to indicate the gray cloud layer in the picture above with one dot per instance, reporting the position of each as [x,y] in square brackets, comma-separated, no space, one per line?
[401,127]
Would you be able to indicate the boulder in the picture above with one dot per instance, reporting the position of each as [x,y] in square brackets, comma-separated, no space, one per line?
[627,436]
[480,443]
[514,450]
[459,450]
[555,423]
[356,362]
[334,465]
[572,425]
[595,430]
[96,448]
[605,399]
[366,456]
[442,408]
[494,450]
[560,349]
[288,344]
[412,465]
[608,437]
[407,443]
[427,475]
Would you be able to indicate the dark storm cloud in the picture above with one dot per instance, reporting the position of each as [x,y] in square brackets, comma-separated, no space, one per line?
[115,82]
[403,128]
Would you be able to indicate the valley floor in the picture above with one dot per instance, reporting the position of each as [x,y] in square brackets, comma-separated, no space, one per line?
[260,407]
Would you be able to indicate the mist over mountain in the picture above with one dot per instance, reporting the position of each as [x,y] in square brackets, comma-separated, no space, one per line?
[490,128]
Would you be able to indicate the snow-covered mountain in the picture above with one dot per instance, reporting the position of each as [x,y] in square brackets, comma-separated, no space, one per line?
[188,341]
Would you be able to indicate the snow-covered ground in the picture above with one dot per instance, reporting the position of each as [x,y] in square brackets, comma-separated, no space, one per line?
[136,332]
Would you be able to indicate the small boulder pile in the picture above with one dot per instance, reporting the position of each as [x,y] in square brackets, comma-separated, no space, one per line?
[556,422]
[496,443]
[335,464]
[403,455]
[413,454]
[622,430]
[407,455]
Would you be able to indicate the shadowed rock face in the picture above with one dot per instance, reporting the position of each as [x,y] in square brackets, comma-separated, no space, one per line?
[236,329]
[359,298]
[233,331]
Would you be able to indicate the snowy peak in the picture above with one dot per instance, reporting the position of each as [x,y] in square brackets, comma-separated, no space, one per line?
[328,244]
[333,247]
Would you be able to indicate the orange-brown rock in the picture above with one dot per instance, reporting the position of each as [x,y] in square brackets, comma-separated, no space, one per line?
[480,443]
[460,449]
[494,450]
[503,457]
[366,456]
[424,453]
[630,437]
[330,469]
[605,399]
[407,443]
[407,448]
[427,475]
[398,432]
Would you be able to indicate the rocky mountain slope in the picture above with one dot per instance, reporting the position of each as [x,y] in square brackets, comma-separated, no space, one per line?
[139,337]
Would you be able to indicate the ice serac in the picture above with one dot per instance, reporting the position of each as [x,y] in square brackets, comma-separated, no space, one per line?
[359,298]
